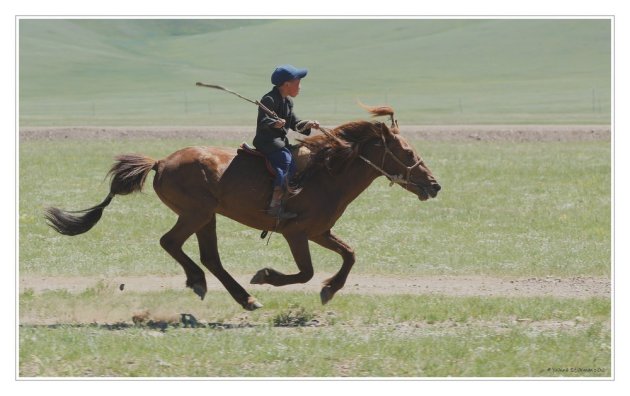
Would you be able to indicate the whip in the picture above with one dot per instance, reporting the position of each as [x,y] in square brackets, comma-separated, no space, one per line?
[257,103]
[264,108]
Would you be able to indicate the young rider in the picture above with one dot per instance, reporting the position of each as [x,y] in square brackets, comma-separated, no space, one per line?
[271,132]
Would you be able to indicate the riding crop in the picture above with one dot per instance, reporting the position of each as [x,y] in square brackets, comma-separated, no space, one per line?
[257,103]
[263,107]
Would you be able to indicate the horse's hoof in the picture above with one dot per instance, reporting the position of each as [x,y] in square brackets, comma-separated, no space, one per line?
[326,294]
[259,278]
[200,291]
[252,304]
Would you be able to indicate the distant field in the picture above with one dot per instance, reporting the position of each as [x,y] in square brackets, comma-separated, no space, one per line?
[142,72]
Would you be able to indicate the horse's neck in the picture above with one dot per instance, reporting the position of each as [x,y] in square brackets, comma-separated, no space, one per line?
[353,181]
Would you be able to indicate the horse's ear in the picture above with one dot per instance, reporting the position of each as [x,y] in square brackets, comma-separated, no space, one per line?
[387,131]
[394,128]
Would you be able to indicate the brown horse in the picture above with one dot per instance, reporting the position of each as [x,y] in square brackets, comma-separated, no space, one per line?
[198,183]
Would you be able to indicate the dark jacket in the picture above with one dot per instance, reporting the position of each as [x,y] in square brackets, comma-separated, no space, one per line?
[269,139]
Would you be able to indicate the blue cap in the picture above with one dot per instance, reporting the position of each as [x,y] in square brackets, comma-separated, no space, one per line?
[285,73]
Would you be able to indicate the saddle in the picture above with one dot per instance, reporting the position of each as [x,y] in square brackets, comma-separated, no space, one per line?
[300,154]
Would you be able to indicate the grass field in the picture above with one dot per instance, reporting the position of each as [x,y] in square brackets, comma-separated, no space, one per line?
[509,210]
[142,72]
[526,209]
[358,336]
[512,210]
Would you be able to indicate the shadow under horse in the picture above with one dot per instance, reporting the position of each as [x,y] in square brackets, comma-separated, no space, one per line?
[198,183]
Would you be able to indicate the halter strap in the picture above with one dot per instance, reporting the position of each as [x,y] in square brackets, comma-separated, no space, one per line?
[398,179]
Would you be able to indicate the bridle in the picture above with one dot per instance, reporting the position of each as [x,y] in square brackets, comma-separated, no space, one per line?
[398,179]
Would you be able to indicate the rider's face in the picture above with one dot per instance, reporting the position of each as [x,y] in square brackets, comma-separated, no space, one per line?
[293,87]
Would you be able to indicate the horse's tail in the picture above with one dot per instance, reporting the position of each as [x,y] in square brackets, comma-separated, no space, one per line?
[127,176]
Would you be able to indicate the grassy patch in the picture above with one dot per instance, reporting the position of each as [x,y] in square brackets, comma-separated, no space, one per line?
[396,336]
[334,352]
[294,317]
[534,209]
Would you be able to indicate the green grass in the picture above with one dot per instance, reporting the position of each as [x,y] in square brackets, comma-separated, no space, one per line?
[274,353]
[135,72]
[360,336]
[530,209]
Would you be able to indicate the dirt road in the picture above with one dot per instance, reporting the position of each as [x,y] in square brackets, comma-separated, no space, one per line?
[463,286]
[512,133]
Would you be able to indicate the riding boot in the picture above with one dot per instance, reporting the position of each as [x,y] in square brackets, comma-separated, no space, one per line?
[276,208]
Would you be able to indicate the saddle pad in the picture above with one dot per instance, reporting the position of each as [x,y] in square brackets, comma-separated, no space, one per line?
[300,154]
[247,149]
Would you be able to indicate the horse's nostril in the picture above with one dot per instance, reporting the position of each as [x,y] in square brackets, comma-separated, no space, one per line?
[436,187]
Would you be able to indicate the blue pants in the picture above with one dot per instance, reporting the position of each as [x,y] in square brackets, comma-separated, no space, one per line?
[282,161]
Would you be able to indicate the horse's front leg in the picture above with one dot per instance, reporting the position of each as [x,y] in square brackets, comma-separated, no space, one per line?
[334,284]
[302,256]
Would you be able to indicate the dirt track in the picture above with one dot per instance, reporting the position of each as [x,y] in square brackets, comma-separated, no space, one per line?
[513,133]
[461,286]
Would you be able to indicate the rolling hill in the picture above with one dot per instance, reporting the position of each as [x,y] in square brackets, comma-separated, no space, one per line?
[433,71]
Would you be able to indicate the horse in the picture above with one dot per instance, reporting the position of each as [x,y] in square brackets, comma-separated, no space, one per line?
[199,183]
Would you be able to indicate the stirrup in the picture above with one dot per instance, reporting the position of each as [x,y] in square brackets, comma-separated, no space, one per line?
[278,212]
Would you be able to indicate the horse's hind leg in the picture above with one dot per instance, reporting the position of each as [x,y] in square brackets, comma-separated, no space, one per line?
[173,241]
[302,255]
[335,283]
[207,238]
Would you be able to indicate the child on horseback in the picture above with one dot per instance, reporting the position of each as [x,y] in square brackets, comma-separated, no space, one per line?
[271,132]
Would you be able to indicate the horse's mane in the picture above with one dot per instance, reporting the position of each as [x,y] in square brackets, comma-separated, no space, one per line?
[335,152]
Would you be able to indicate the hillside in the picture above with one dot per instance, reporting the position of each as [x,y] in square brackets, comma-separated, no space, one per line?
[142,72]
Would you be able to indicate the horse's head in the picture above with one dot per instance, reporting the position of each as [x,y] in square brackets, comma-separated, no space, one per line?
[396,159]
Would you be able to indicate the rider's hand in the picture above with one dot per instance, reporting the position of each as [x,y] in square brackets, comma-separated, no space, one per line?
[279,124]
[312,124]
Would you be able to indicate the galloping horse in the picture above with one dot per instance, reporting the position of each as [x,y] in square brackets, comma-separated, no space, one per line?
[198,183]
